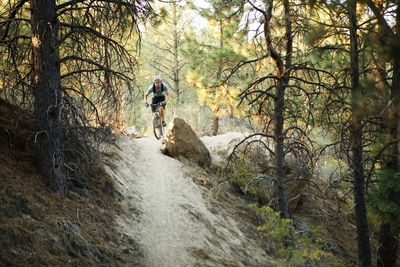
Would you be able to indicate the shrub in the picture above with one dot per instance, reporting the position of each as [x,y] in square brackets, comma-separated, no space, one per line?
[293,248]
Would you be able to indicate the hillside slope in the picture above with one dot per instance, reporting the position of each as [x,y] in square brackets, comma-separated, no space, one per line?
[152,211]
[39,228]
[180,224]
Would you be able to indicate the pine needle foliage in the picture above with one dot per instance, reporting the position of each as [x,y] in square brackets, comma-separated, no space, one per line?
[293,247]
[383,208]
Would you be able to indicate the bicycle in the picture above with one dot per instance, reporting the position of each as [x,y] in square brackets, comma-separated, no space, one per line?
[158,128]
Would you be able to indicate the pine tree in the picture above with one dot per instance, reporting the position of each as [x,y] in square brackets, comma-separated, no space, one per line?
[75,81]
[165,41]
[213,52]
[385,200]
[364,250]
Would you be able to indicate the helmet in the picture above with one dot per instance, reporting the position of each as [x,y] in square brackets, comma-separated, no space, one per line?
[157,79]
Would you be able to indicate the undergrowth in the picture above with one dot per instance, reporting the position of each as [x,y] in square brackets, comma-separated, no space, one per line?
[248,178]
[307,245]
[293,247]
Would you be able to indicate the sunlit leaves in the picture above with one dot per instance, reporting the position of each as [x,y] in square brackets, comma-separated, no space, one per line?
[213,53]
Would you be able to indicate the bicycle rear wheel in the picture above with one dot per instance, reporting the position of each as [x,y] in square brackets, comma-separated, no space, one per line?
[157,126]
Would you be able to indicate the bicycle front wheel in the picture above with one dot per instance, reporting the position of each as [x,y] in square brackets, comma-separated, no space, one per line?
[157,126]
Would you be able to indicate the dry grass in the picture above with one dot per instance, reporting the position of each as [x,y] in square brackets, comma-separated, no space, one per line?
[37,227]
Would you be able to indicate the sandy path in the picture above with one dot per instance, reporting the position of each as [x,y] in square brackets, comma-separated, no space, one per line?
[165,230]
[175,225]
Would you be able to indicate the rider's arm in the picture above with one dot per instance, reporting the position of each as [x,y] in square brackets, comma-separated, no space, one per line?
[167,95]
[147,93]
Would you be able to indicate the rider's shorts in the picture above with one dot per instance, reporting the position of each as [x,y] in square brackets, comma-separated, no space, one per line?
[157,100]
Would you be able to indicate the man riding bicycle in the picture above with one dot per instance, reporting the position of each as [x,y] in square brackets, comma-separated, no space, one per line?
[160,95]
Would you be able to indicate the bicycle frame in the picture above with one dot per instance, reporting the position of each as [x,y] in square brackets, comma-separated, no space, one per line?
[158,128]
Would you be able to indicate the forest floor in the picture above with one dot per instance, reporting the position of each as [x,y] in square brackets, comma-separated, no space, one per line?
[177,220]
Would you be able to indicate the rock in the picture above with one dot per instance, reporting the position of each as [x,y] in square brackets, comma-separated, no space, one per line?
[132,132]
[221,146]
[182,142]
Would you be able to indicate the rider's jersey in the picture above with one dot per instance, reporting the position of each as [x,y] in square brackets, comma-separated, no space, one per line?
[158,91]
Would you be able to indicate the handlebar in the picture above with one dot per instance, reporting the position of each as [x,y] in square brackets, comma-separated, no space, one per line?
[154,105]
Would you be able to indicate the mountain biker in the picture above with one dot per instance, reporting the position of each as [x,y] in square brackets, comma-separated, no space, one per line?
[160,95]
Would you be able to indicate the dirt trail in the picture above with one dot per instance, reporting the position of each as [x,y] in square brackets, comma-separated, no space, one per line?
[174,225]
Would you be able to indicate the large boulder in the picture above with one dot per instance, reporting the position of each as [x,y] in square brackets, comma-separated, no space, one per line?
[182,142]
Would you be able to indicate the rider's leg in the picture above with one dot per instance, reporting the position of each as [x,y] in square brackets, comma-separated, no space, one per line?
[162,113]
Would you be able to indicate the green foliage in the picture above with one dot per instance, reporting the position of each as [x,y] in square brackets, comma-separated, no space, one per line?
[314,34]
[294,248]
[214,51]
[381,140]
[242,172]
[382,207]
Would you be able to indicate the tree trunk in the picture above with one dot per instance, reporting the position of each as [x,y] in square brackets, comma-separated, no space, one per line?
[388,242]
[214,130]
[49,137]
[279,107]
[221,47]
[279,117]
[279,101]
[215,127]
[364,251]
[176,54]
[388,246]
